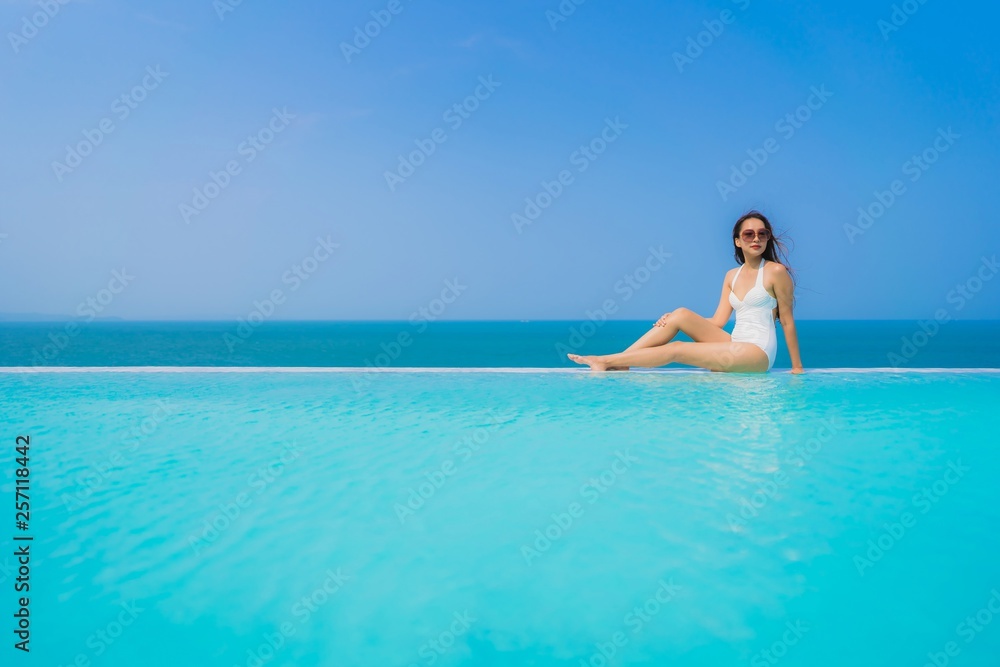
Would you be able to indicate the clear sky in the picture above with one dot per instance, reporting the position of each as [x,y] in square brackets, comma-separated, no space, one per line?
[117,114]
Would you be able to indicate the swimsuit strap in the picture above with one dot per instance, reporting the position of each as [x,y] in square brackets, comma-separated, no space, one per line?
[760,273]
[732,285]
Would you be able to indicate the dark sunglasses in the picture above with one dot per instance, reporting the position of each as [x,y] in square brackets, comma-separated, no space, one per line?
[762,234]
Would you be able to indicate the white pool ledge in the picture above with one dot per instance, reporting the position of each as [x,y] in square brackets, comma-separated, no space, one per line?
[370,370]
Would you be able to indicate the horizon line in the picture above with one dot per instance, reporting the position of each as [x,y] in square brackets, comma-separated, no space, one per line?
[55,319]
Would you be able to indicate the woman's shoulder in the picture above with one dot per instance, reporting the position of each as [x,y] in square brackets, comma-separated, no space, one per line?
[775,267]
[776,273]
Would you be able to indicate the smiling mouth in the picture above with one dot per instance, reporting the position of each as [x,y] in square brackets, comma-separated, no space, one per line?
[755,245]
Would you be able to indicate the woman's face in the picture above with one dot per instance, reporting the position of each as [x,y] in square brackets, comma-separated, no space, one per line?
[753,238]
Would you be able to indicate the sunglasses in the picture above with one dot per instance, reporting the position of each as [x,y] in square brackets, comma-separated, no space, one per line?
[762,234]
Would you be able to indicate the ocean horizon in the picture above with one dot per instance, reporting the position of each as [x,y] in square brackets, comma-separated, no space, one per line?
[390,344]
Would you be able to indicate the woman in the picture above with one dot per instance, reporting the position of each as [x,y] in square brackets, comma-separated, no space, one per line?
[767,291]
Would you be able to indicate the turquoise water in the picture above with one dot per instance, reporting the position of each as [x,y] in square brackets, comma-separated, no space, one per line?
[824,344]
[508,518]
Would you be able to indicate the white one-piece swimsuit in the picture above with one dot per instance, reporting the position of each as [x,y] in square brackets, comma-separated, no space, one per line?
[755,317]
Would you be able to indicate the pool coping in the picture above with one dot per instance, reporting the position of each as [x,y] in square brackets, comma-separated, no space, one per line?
[371,370]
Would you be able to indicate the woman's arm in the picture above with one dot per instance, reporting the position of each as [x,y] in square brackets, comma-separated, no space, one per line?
[722,313]
[725,309]
[783,290]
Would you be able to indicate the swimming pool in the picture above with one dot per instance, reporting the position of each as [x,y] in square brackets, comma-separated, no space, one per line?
[508,518]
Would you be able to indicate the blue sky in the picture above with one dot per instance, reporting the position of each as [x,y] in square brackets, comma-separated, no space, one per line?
[302,133]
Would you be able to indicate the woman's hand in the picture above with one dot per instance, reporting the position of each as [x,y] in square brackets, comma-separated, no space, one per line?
[662,322]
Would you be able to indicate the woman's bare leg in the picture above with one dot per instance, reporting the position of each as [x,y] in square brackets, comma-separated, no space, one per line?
[699,328]
[729,356]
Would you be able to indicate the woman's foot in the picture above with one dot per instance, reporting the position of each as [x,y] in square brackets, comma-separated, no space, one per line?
[595,363]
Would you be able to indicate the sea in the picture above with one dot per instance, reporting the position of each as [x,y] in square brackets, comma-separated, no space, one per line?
[899,344]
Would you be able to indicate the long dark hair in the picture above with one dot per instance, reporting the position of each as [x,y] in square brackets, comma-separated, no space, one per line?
[774,251]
